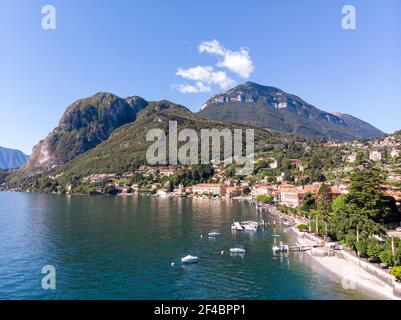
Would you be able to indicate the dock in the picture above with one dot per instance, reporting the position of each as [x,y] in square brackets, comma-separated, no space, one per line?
[295,248]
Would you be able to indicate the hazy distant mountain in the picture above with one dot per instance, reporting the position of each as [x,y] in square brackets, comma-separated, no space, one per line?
[275,109]
[11,158]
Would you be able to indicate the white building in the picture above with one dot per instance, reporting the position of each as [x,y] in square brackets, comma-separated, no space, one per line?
[375,155]
[352,158]
[394,153]
[281,178]
[209,188]
[274,164]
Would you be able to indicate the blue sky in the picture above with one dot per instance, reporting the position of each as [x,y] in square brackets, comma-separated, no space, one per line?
[137,47]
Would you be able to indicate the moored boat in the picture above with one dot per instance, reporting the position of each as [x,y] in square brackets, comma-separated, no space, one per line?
[238,249]
[214,233]
[190,259]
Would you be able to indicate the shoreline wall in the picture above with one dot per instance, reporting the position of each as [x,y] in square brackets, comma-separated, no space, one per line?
[375,271]
[369,267]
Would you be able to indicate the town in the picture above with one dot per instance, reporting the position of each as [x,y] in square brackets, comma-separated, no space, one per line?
[288,183]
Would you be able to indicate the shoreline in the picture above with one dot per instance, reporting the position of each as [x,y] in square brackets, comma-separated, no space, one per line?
[349,275]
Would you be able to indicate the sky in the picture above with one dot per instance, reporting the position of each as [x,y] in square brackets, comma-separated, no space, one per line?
[187,51]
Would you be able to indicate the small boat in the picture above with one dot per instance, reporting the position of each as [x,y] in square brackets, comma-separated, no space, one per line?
[250,225]
[288,224]
[190,259]
[281,248]
[214,233]
[276,248]
[238,249]
[236,226]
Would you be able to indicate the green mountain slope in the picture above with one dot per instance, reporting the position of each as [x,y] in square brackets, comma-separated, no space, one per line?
[83,126]
[126,147]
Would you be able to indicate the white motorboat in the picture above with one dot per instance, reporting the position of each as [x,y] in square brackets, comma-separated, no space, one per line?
[238,249]
[214,233]
[276,248]
[250,225]
[236,226]
[190,259]
[246,226]
[281,248]
[288,223]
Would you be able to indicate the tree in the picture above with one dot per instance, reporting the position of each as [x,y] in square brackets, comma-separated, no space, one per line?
[348,218]
[170,187]
[339,203]
[365,208]
[308,203]
[265,198]
[362,247]
[302,227]
[374,250]
[365,192]
[396,271]
[324,201]
[246,190]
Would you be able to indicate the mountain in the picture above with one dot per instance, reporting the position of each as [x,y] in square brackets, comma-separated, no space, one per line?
[359,126]
[126,148]
[272,108]
[107,133]
[84,124]
[10,158]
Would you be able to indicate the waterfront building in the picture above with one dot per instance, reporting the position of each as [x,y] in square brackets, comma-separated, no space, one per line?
[155,186]
[262,189]
[232,192]
[209,188]
[135,187]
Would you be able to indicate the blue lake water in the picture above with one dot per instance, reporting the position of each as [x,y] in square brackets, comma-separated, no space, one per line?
[122,248]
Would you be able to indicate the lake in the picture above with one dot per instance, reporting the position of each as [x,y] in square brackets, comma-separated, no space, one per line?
[122,247]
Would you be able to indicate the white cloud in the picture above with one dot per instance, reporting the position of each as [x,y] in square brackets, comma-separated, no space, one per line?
[212,47]
[205,77]
[236,61]
[206,74]
[187,88]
